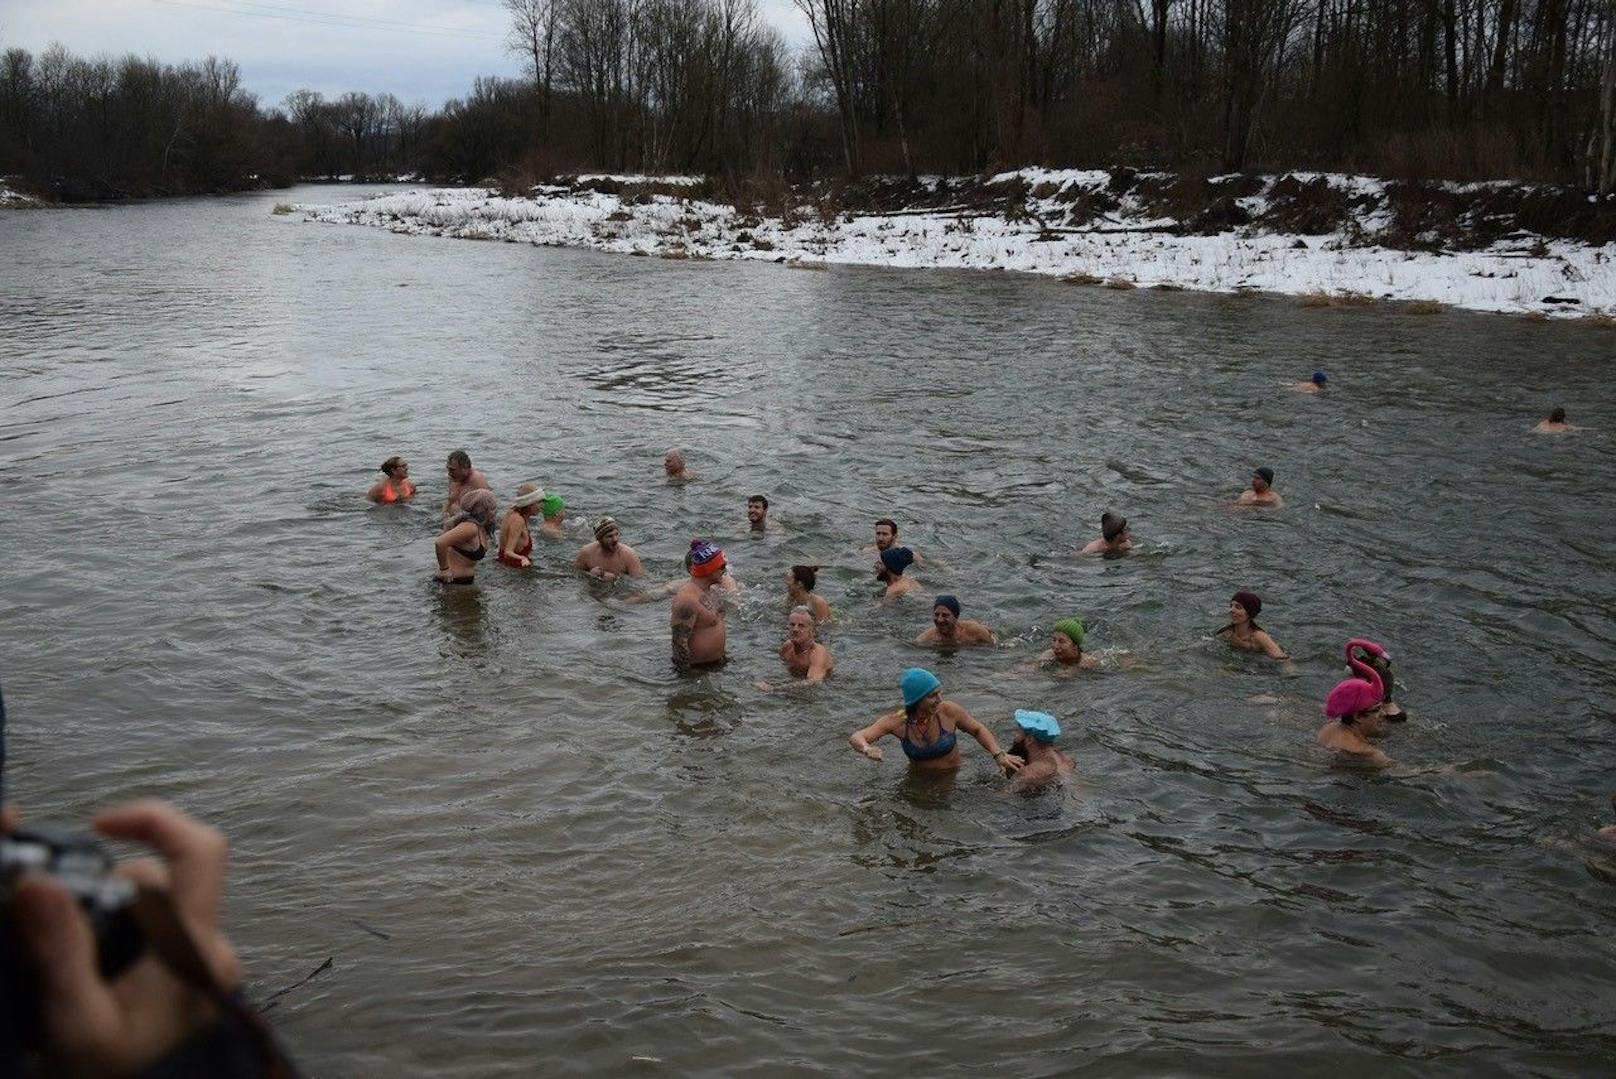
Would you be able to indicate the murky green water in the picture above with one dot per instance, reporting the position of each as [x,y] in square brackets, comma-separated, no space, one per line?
[531,848]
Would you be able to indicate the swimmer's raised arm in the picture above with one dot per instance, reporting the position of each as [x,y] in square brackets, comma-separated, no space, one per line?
[861,740]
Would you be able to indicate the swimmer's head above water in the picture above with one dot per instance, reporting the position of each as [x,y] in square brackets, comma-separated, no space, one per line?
[1558,415]
[801,621]
[803,578]
[1039,726]
[607,534]
[459,466]
[529,497]
[1067,640]
[886,533]
[479,506]
[706,560]
[1262,479]
[894,560]
[945,613]
[551,506]
[757,511]
[1113,526]
[919,686]
[1245,607]
[1357,704]
[396,468]
[1320,378]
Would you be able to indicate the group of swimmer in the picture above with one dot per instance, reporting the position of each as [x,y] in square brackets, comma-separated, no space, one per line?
[1358,708]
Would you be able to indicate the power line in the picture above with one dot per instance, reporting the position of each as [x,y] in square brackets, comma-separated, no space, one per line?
[318,18]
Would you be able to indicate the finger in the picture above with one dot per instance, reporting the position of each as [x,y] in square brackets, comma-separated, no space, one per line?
[146,872]
[9,819]
[75,1003]
[195,853]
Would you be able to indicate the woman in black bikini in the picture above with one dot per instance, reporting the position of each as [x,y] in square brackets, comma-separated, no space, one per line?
[464,543]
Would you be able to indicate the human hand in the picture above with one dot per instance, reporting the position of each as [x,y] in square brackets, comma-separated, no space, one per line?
[1011,763]
[524,561]
[873,752]
[95,1027]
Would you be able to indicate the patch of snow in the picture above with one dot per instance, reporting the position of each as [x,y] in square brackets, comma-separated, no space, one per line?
[1513,276]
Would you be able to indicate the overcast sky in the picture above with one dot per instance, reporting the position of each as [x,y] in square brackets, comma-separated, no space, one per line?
[420,50]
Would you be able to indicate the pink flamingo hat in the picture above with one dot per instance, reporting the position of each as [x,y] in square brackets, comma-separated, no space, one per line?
[1354,695]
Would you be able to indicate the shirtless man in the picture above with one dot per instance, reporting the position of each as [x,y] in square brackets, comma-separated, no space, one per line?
[698,610]
[1114,536]
[947,627]
[1312,385]
[1262,491]
[804,656]
[674,465]
[1045,764]
[462,478]
[1556,423]
[757,514]
[608,558]
[889,571]
[886,534]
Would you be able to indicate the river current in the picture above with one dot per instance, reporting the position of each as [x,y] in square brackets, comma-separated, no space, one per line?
[529,846]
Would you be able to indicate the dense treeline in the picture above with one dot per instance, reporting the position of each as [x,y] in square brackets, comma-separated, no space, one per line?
[1415,88]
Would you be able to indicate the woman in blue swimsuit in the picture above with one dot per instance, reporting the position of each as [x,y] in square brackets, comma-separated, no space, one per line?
[927,727]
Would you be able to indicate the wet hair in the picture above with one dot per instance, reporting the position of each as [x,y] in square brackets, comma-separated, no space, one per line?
[889,522]
[1558,415]
[1112,525]
[391,463]
[759,498]
[805,576]
[460,459]
[1267,475]
[800,609]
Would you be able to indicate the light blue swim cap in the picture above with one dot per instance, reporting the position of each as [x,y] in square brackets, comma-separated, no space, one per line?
[916,683]
[1041,725]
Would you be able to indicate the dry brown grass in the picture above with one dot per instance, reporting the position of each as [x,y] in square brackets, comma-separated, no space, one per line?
[1120,283]
[1535,316]
[1081,279]
[1315,299]
[1600,322]
[1422,307]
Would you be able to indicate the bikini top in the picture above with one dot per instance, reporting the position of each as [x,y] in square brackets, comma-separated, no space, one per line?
[470,556]
[943,746]
[393,494]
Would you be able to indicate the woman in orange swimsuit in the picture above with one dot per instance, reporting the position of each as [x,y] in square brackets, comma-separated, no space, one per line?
[395,485]
[515,541]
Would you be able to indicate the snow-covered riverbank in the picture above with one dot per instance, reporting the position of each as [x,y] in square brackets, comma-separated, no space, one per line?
[12,199]
[1324,237]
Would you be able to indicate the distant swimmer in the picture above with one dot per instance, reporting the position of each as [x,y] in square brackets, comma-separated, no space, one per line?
[1115,538]
[465,541]
[1378,658]
[1066,647]
[800,591]
[1045,764]
[886,536]
[947,627]
[395,485]
[802,654]
[673,464]
[555,516]
[1356,716]
[698,610]
[608,557]
[1607,834]
[1555,424]
[462,478]
[515,541]
[1243,632]
[926,726]
[889,571]
[757,514]
[1312,385]
[1262,491]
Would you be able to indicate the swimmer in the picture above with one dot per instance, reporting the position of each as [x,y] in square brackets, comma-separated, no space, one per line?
[947,627]
[757,514]
[554,511]
[926,727]
[395,485]
[462,478]
[1381,661]
[698,610]
[889,571]
[1066,647]
[886,535]
[1114,536]
[1555,424]
[1607,834]
[673,464]
[608,558]
[1244,632]
[1312,385]
[800,592]
[1045,764]
[1262,491]
[804,656]
[515,541]
[465,541]
[1356,716]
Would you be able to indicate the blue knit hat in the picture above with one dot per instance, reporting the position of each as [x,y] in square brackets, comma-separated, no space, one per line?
[917,683]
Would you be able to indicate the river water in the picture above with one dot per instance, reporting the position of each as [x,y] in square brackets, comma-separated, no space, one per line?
[530,847]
